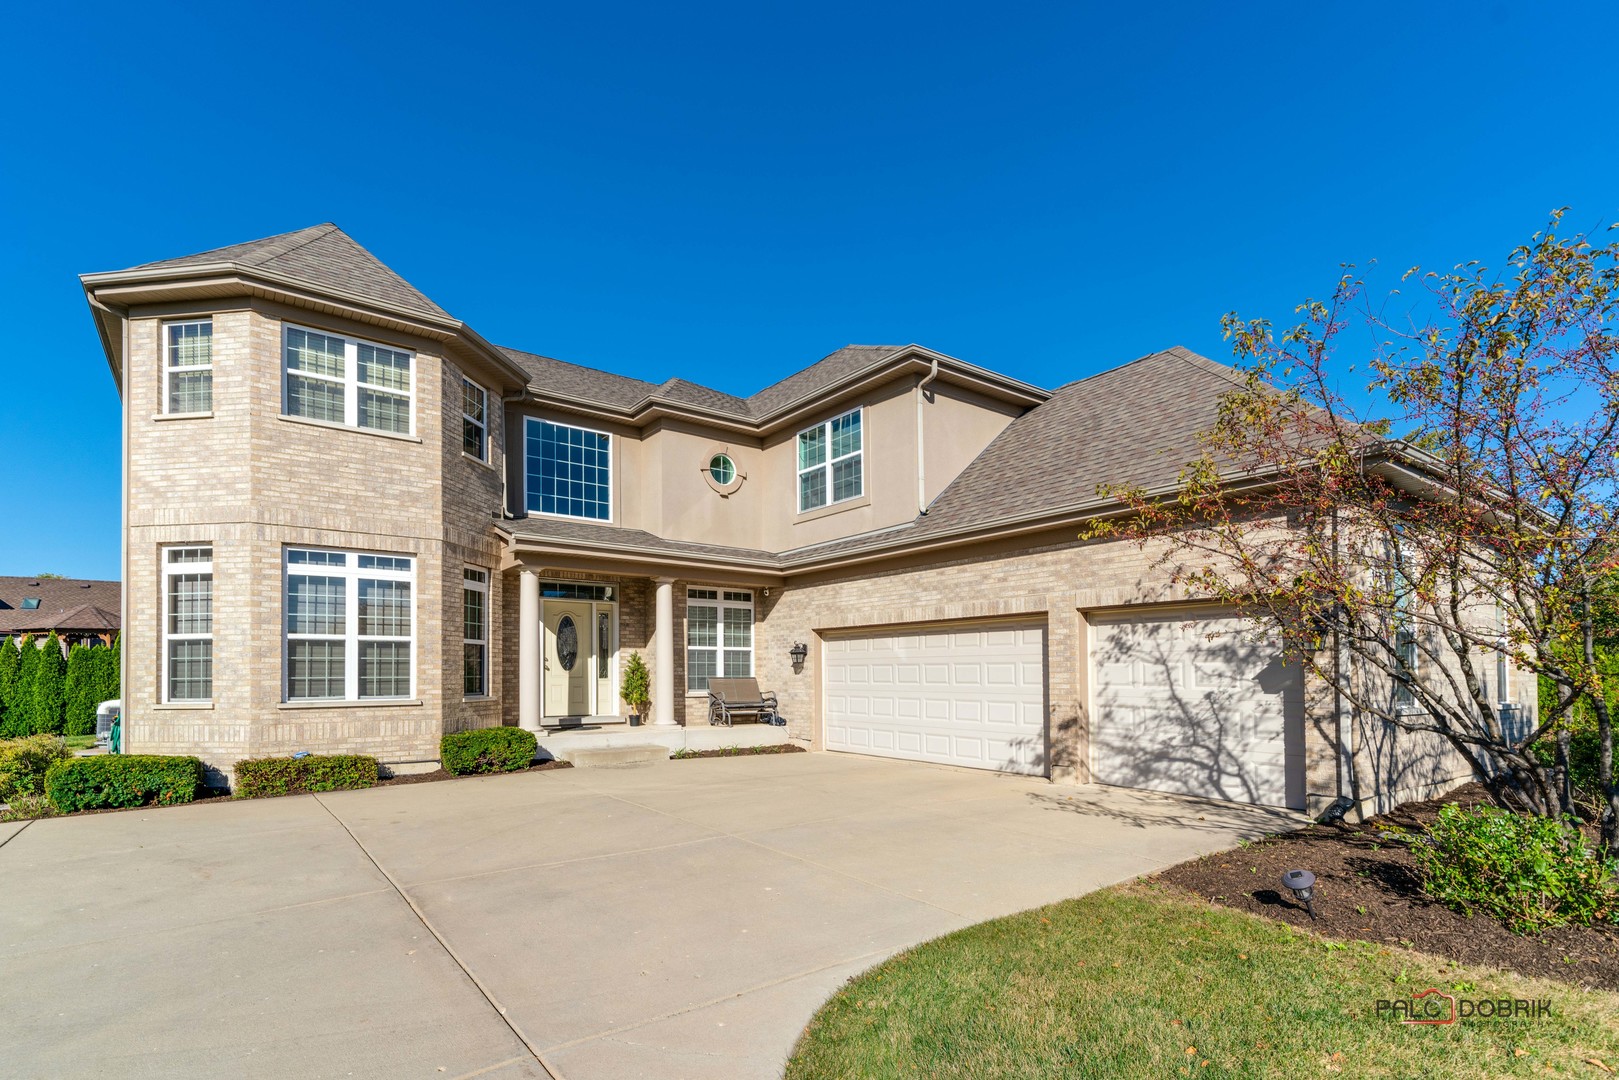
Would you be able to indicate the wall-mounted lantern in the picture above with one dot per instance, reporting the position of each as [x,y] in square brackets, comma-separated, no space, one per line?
[799,652]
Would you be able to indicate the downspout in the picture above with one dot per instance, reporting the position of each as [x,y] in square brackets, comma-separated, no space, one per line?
[1346,729]
[123,542]
[921,446]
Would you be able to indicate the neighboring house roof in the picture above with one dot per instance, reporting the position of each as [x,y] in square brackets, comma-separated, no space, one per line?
[322,255]
[63,604]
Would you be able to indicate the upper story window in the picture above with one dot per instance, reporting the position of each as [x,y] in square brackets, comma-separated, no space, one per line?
[568,471]
[188,368]
[830,462]
[474,419]
[340,380]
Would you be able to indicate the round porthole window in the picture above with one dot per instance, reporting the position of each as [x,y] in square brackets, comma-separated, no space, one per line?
[721,472]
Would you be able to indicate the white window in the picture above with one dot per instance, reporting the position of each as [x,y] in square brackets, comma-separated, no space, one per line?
[340,380]
[350,619]
[719,636]
[474,419]
[475,632]
[1503,660]
[188,624]
[1405,664]
[567,470]
[188,368]
[830,467]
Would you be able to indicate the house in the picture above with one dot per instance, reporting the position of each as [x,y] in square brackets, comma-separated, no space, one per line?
[76,610]
[353,524]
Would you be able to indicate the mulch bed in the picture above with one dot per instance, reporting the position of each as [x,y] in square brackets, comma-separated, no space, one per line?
[1367,889]
[740,751]
[439,774]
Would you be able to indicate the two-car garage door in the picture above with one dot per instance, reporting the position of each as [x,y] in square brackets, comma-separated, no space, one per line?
[967,695]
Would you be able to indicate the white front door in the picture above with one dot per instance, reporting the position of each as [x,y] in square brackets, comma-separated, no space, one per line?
[969,695]
[570,658]
[1196,703]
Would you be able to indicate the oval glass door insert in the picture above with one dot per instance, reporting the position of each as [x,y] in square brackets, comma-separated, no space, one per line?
[567,642]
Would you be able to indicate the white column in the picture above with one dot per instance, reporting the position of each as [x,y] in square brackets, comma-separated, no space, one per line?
[528,650]
[663,654]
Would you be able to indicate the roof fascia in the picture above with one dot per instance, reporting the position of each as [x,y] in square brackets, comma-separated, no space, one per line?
[594,554]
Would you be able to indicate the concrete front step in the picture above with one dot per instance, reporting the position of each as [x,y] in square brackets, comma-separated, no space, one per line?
[564,745]
[618,757]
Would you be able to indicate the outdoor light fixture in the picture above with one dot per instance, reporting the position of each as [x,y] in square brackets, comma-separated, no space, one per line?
[1302,885]
[799,652]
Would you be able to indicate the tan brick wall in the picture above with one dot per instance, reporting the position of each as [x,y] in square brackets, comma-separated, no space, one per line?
[250,483]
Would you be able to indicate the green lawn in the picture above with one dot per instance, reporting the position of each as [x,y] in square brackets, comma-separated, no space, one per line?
[79,742]
[1132,982]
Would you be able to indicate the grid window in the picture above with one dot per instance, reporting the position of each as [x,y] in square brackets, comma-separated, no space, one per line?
[475,633]
[349,625]
[474,419]
[831,462]
[719,636]
[339,380]
[188,624]
[568,471]
[190,367]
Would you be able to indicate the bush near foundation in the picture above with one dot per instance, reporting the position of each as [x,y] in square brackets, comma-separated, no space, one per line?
[257,778]
[113,780]
[485,750]
[24,762]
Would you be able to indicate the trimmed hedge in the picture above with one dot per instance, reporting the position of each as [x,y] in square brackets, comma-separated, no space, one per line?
[257,778]
[92,783]
[24,762]
[483,750]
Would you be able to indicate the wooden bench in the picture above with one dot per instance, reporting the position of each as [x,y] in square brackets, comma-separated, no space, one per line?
[730,698]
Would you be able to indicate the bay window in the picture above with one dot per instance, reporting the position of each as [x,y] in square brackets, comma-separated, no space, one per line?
[188,368]
[340,380]
[350,622]
[188,624]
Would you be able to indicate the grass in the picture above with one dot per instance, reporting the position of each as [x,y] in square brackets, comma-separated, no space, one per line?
[1134,982]
[79,742]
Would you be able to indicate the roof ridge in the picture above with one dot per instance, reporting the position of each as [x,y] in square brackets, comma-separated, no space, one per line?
[316,232]
[793,375]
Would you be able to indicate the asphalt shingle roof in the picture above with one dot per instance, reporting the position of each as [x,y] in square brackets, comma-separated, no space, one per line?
[545,528]
[64,604]
[324,256]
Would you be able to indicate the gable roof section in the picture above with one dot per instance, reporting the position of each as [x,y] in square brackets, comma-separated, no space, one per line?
[64,603]
[322,255]
[1138,424]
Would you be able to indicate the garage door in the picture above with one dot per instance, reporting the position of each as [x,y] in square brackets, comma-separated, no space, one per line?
[1196,704]
[971,696]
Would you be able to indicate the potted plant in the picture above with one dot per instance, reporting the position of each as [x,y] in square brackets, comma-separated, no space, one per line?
[637,688]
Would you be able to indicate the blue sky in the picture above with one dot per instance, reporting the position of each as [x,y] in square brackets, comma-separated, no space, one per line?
[728,192]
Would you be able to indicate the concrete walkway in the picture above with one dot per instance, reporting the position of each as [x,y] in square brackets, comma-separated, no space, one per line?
[682,920]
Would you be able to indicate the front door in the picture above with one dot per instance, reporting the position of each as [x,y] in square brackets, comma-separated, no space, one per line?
[570,665]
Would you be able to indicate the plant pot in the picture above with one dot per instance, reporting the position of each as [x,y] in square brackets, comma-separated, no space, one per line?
[635,721]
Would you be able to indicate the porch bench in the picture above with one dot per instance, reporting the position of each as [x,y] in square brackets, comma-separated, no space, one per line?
[730,698]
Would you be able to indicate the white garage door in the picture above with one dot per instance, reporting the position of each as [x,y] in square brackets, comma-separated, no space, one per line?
[1196,704]
[971,696]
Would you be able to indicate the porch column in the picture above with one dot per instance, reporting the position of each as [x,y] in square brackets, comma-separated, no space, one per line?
[528,650]
[663,654]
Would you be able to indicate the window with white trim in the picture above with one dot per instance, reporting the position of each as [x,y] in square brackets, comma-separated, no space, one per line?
[340,380]
[188,624]
[188,367]
[831,462]
[475,632]
[567,470]
[719,635]
[1503,660]
[350,621]
[474,419]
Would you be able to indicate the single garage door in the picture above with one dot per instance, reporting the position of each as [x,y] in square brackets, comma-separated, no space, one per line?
[966,695]
[1195,703]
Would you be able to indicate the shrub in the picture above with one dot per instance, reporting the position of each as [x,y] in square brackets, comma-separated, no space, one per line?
[1529,872]
[10,661]
[637,688]
[50,689]
[90,783]
[23,763]
[20,716]
[257,778]
[81,706]
[104,683]
[494,749]
[1583,745]
[23,807]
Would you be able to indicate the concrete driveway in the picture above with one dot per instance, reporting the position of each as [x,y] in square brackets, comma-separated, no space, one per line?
[682,920]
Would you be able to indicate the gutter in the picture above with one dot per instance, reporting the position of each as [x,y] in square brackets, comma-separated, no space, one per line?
[921,446]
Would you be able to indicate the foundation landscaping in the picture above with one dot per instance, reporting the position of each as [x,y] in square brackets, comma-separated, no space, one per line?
[41,777]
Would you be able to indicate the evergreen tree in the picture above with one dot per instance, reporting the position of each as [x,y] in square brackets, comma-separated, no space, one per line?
[106,674]
[10,660]
[19,718]
[50,689]
[81,688]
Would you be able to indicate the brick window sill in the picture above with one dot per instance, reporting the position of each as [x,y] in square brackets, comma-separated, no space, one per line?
[378,703]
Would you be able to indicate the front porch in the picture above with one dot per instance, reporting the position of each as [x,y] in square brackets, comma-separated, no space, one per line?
[561,743]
